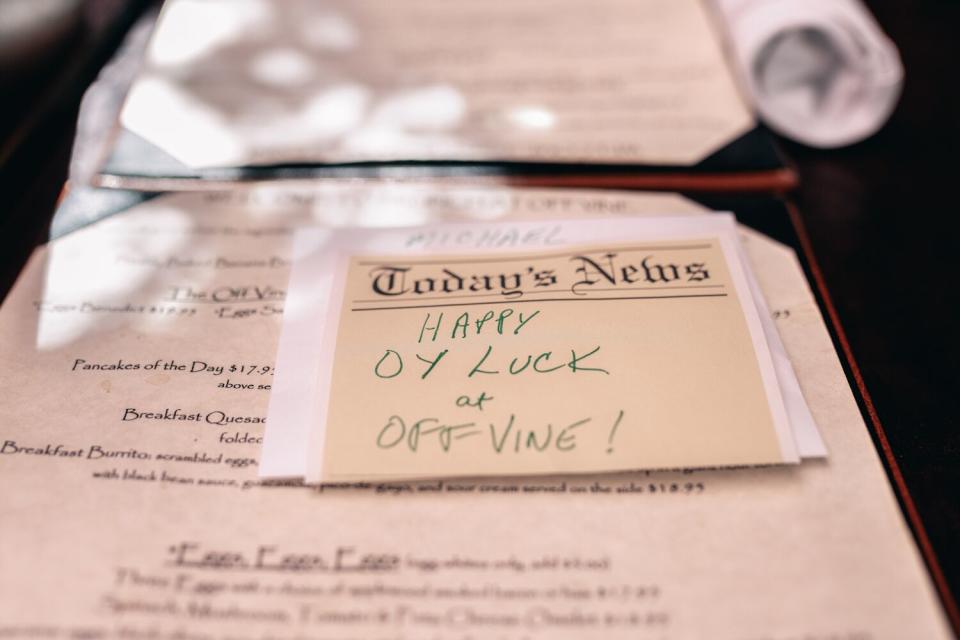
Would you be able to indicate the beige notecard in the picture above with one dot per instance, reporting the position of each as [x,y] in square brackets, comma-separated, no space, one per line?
[584,359]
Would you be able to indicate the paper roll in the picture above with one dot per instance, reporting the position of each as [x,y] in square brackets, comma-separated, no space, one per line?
[818,71]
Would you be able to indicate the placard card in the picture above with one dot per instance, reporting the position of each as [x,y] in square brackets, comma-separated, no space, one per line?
[303,366]
[579,360]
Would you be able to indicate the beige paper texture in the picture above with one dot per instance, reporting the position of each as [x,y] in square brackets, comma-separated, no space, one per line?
[159,528]
[586,359]
[249,82]
[298,399]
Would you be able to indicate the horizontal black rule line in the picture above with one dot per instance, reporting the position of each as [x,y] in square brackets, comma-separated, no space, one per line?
[532,293]
[493,302]
[508,258]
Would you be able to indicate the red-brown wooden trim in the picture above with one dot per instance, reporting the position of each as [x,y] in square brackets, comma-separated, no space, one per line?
[899,483]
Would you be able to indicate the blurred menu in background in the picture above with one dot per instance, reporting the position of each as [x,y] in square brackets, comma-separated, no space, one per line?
[617,93]
[635,94]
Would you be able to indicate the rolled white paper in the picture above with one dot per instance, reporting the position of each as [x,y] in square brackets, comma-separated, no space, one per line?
[821,72]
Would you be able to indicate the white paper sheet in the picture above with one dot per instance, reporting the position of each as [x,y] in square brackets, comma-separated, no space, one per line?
[819,71]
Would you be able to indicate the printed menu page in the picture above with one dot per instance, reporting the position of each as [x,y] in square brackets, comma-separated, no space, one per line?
[137,368]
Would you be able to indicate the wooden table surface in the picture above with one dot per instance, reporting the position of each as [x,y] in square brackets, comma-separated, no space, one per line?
[880,217]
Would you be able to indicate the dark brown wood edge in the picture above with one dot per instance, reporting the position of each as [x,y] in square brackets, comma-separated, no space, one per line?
[776,180]
[873,423]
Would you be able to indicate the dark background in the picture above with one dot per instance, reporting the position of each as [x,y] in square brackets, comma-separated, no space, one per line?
[879,215]
[881,219]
